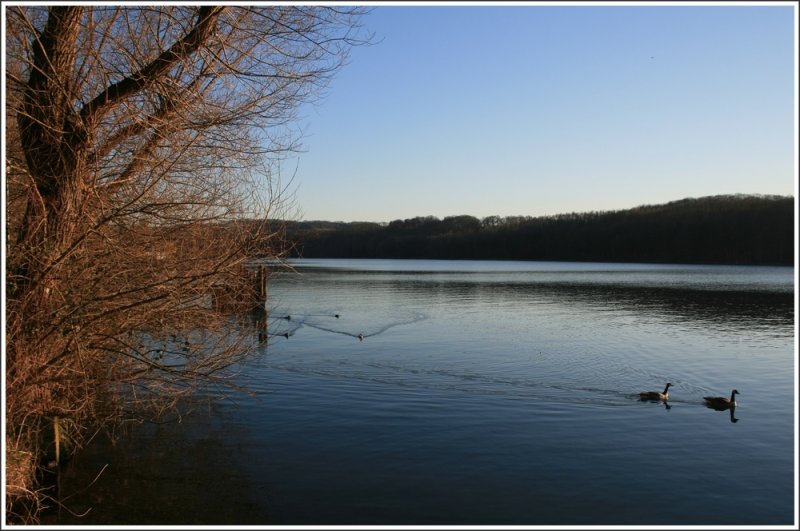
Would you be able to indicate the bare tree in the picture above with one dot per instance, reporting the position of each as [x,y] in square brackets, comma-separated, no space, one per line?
[139,147]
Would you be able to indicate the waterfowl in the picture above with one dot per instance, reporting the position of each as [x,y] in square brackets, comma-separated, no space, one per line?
[720,402]
[655,395]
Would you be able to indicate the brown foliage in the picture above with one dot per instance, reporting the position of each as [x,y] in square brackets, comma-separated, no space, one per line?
[137,137]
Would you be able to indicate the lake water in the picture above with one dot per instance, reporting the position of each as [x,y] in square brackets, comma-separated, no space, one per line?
[482,393]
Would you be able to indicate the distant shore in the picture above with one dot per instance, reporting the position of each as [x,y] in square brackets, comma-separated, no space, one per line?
[723,229]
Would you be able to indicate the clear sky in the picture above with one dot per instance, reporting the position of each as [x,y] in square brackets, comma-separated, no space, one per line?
[538,110]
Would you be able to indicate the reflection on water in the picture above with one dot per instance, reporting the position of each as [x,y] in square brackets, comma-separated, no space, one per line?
[730,409]
[482,393]
[695,296]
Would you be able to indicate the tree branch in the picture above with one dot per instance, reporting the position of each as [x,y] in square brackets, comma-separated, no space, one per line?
[203,30]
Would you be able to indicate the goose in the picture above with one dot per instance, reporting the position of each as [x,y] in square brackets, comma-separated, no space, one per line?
[720,402]
[655,395]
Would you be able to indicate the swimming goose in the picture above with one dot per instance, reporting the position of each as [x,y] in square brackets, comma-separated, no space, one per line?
[655,395]
[720,402]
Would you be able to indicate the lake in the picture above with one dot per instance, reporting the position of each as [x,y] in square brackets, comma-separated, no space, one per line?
[481,393]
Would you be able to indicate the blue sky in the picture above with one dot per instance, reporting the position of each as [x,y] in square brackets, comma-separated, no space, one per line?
[538,110]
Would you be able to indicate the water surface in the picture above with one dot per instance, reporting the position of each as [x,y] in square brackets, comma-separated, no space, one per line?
[437,392]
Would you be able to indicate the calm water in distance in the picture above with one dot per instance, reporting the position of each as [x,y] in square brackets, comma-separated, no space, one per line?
[482,393]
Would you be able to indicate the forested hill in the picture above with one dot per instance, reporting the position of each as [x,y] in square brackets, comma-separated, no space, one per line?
[731,229]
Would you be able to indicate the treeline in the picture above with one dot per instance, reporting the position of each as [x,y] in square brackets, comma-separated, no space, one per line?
[726,229]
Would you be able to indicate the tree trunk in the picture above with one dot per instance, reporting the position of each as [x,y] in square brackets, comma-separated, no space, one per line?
[54,144]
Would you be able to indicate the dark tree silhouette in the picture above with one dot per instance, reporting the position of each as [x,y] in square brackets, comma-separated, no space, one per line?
[712,230]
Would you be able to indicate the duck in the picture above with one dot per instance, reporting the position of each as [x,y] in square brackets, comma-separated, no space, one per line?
[655,395]
[720,402]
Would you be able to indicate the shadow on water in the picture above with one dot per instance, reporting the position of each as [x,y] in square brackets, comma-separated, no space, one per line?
[695,301]
[721,407]
[162,474]
[667,406]
[665,403]
[771,310]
